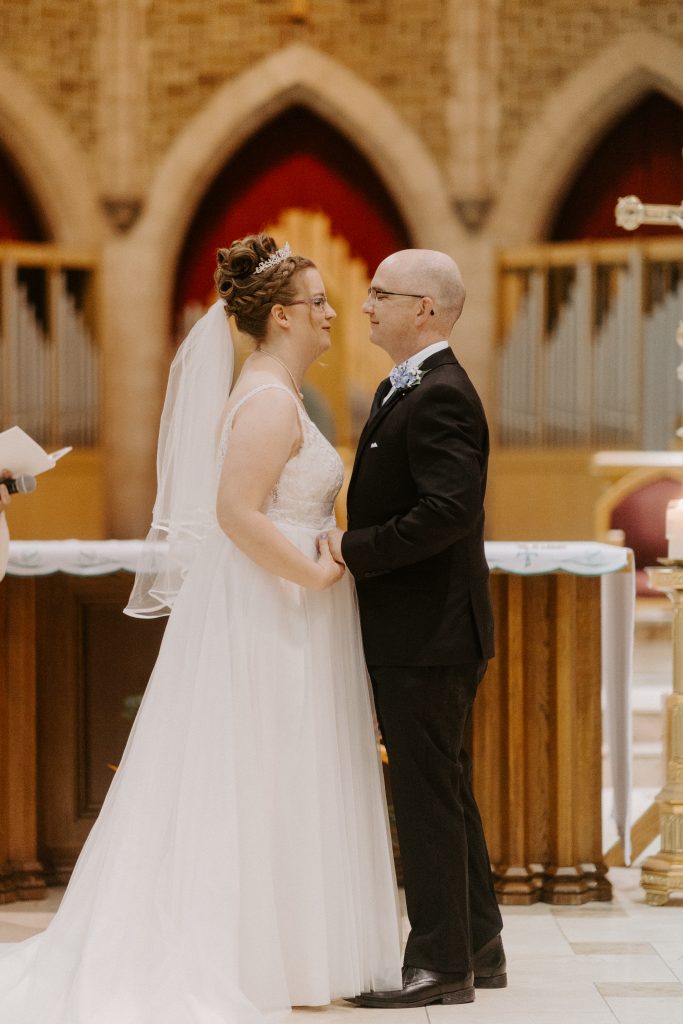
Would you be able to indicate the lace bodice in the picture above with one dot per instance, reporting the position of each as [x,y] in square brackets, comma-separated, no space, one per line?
[310,481]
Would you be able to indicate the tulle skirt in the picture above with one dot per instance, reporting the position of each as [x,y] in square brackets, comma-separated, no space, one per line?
[241,863]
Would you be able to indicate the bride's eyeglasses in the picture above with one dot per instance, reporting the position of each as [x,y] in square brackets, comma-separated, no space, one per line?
[319,302]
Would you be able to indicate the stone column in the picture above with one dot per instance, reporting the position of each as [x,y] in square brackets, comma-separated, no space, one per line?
[137,352]
[122,108]
[472,107]
[472,117]
[132,319]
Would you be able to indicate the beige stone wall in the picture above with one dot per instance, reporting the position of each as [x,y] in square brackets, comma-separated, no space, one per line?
[399,47]
[543,42]
[396,45]
[475,112]
[52,44]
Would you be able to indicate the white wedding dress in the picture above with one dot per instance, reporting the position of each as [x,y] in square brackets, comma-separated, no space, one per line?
[241,863]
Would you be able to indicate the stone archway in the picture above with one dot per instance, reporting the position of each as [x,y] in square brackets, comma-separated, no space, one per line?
[142,264]
[297,74]
[574,117]
[50,161]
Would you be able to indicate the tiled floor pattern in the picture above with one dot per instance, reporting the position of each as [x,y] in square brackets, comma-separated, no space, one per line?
[598,964]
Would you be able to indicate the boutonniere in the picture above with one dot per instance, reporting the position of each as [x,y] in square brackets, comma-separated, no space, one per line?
[405,376]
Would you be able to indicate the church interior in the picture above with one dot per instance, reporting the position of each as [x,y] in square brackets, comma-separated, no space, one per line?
[137,137]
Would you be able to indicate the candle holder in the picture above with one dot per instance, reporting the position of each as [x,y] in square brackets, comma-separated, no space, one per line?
[662,875]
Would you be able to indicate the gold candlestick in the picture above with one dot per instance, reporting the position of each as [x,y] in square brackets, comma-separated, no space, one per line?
[662,875]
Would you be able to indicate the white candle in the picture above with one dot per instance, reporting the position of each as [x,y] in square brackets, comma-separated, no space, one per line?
[674,529]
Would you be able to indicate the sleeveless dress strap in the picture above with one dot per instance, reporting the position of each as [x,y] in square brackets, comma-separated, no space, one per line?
[255,391]
[227,424]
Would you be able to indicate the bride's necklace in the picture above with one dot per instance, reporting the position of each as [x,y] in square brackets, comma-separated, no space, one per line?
[285,367]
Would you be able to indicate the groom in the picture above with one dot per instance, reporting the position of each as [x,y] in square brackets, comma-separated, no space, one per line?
[415,545]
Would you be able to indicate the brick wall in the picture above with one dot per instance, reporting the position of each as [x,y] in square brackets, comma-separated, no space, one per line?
[52,44]
[396,45]
[544,41]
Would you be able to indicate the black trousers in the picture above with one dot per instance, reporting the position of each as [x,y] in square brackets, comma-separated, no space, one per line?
[451,903]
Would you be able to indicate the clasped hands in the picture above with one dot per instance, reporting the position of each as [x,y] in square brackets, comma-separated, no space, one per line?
[334,538]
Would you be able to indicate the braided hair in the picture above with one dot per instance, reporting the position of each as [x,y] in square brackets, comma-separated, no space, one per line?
[249,296]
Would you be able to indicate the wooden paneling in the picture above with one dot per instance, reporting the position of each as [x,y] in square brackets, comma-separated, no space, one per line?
[536,741]
[541,494]
[536,730]
[21,874]
[91,659]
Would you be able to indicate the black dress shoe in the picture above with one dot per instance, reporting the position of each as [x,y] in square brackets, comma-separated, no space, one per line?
[490,968]
[421,988]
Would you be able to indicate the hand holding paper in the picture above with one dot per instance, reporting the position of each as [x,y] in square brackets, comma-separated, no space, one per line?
[4,492]
[4,532]
[21,454]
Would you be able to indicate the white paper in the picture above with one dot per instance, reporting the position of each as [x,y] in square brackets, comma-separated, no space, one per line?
[19,453]
[60,453]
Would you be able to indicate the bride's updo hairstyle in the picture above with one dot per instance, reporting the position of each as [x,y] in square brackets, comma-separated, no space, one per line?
[249,296]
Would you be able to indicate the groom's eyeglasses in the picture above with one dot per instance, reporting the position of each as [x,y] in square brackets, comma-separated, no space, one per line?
[380,293]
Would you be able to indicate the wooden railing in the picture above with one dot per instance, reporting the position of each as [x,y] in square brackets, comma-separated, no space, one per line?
[587,352]
[49,356]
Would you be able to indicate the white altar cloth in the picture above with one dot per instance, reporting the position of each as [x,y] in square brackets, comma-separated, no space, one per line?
[582,558]
[99,557]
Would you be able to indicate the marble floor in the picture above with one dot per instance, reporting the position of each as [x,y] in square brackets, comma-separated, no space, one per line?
[603,963]
[597,964]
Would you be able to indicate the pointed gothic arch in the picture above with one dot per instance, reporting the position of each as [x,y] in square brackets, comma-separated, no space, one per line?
[298,74]
[297,160]
[49,160]
[142,264]
[577,114]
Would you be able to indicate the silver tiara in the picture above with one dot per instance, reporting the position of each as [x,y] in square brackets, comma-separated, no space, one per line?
[272,261]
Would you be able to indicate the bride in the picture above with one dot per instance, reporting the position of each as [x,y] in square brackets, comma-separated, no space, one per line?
[240,864]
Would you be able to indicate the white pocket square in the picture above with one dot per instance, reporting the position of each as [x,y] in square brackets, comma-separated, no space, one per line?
[374,444]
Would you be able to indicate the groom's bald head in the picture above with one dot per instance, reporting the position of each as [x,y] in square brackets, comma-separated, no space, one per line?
[415,298]
[427,272]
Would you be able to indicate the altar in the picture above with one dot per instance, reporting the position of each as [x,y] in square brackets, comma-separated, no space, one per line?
[74,668]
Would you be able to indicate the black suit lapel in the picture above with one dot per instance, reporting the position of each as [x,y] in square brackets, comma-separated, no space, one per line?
[382,390]
[379,411]
[375,417]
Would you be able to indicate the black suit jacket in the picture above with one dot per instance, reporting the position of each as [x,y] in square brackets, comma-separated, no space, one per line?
[415,540]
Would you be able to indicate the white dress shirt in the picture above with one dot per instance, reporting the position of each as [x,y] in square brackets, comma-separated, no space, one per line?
[417,359]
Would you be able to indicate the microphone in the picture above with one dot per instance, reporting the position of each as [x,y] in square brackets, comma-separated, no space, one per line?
[22,484]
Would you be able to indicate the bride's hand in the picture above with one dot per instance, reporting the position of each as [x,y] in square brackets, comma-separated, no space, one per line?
[330,572]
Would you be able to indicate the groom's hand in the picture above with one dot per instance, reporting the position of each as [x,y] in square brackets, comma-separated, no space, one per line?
[334,538]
